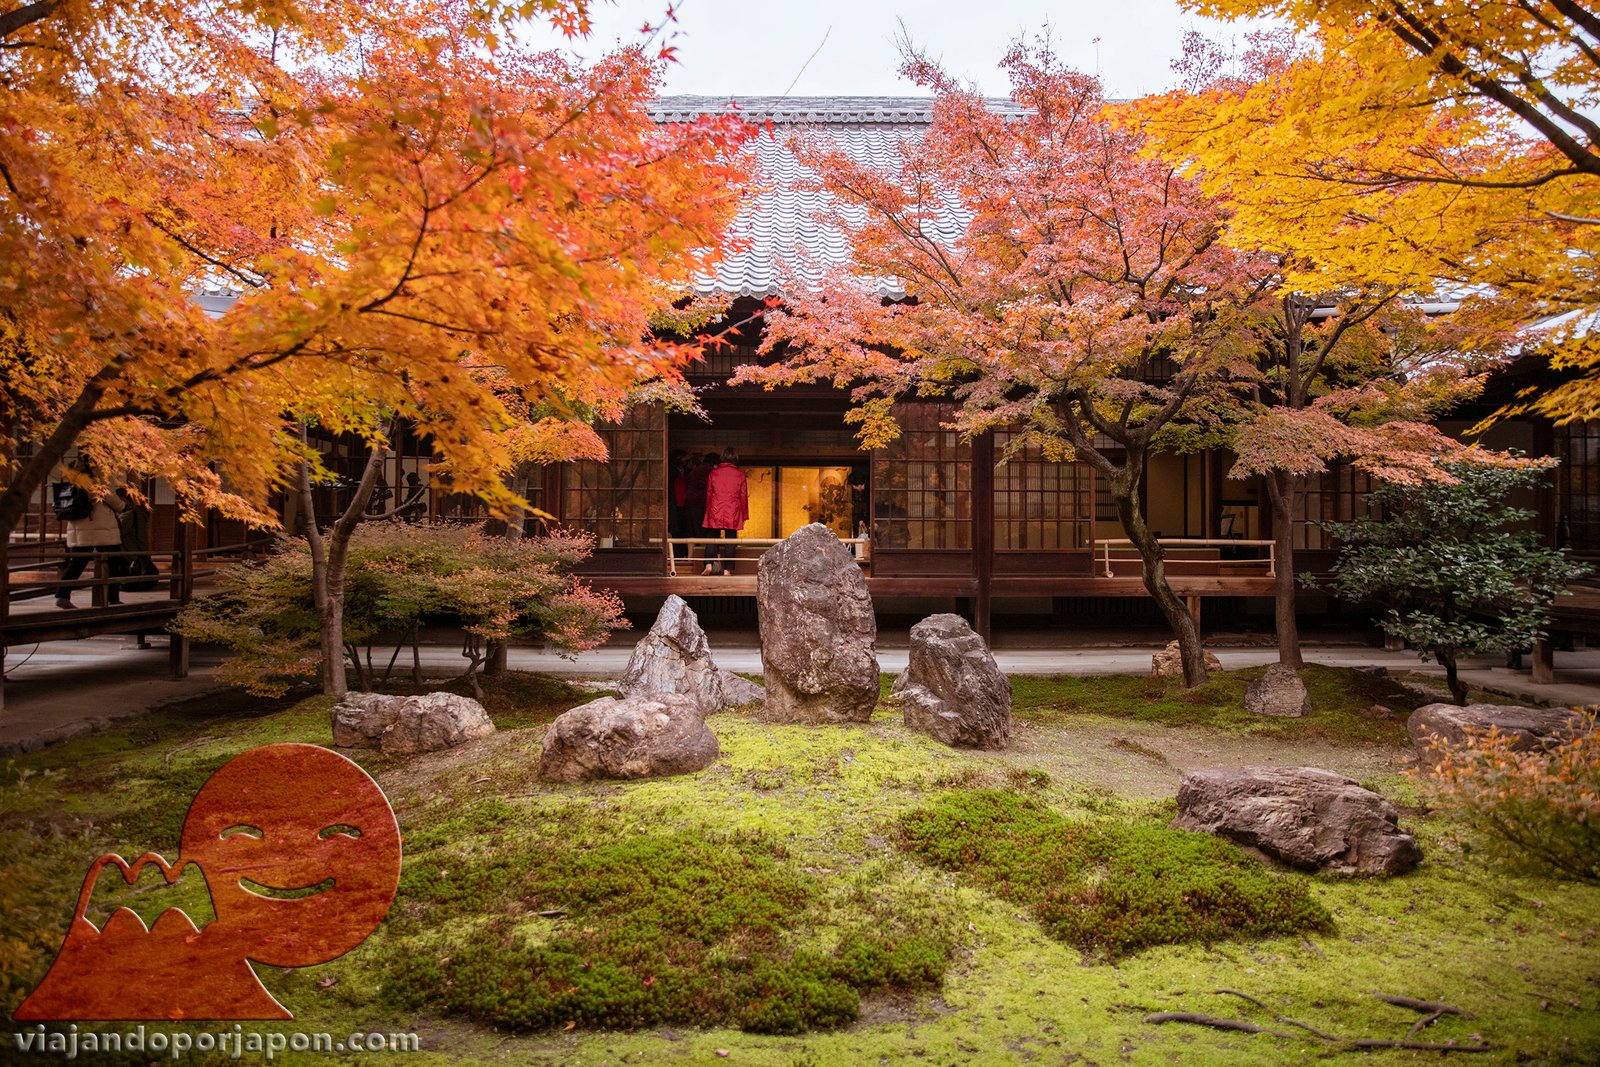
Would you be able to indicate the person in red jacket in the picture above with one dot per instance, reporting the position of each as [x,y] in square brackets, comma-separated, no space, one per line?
[727,509]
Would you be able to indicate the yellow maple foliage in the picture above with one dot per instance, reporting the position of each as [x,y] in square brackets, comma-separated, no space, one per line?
[1412,143]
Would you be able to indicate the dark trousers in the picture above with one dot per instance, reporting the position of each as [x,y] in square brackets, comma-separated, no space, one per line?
[718,553]
[78,558]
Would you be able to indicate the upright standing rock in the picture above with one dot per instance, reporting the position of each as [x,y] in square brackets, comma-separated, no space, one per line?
[1279,692]
[675,657]
[952,688]
[817,630]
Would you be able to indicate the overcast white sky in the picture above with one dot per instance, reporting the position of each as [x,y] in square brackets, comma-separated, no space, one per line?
[758,47]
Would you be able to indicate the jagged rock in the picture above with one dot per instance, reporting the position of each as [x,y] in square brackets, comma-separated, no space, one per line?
[952,688]
[1377,711]
[402,725]
[631,737]
[817,630]
[1279,692]
[1302,816]
[1168,663]
[1528,728]
[675,657]
[740,690]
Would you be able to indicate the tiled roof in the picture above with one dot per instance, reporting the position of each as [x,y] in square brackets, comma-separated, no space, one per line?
[788,245]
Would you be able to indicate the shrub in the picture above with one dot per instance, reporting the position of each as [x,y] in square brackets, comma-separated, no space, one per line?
[1112,888]
[1538,810]
[397,576]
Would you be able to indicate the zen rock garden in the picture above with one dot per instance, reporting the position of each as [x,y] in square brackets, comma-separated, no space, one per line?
[958,866]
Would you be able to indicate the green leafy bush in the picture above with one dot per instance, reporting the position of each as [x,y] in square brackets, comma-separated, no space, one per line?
[651,929]
[397,576]
[1108,888]
[1537,810]
[1450,565]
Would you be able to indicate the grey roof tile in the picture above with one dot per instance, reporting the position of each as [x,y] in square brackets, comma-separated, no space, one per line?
[788,244]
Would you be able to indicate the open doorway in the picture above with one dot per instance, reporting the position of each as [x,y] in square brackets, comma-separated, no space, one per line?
[785,498]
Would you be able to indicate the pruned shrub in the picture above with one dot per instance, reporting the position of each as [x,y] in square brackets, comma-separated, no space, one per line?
[397,576]
[1537,810]
[1108,888]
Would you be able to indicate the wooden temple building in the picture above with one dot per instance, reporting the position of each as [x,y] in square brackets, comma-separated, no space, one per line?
[945,527]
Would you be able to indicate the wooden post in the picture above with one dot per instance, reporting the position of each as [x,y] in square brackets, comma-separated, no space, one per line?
[1544,669]
[178,656]
[1193,604]
[983,530]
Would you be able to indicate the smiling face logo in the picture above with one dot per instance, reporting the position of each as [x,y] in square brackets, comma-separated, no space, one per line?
[301,854]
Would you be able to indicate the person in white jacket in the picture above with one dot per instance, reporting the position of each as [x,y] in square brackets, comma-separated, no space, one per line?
[100,533]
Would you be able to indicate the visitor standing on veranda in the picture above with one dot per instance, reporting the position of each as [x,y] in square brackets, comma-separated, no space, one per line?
[727,510]
[96,531]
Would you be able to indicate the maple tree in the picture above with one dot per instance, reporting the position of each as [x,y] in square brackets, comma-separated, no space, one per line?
[1087,302]
[416,218]
[419,222]
[1453,140]
[1350,367]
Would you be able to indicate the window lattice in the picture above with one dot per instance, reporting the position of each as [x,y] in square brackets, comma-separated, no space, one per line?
[622,501]
[1578,445]
[922,484]
[1039,505]
[1338,494]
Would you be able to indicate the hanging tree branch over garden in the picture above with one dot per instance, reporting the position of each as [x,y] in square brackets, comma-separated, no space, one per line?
[418,220]
[1456,138]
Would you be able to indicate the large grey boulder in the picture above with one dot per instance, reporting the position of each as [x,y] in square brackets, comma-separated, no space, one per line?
[402,725]
[632,737]
[952,688]
[675,657]
[817,630]
[1302,816]
[1528,728]
[1279,692]
[1168,663]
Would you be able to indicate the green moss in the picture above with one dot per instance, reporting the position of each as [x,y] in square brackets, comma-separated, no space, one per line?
[1109,888]
[1339,696]
[1518,952]
[681,927]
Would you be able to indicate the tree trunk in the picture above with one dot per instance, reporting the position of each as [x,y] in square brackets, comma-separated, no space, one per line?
[496,659]
[26,477]
[1452,678]
[1283,491]
[1124,494]
[330,550]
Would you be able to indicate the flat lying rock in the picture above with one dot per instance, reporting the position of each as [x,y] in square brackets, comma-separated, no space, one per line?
[401,725]
[1301,816]
[1279,693]
[675,657]
[1528,728]
[629,737]
[1168,663]
[818,632]
[952,688]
